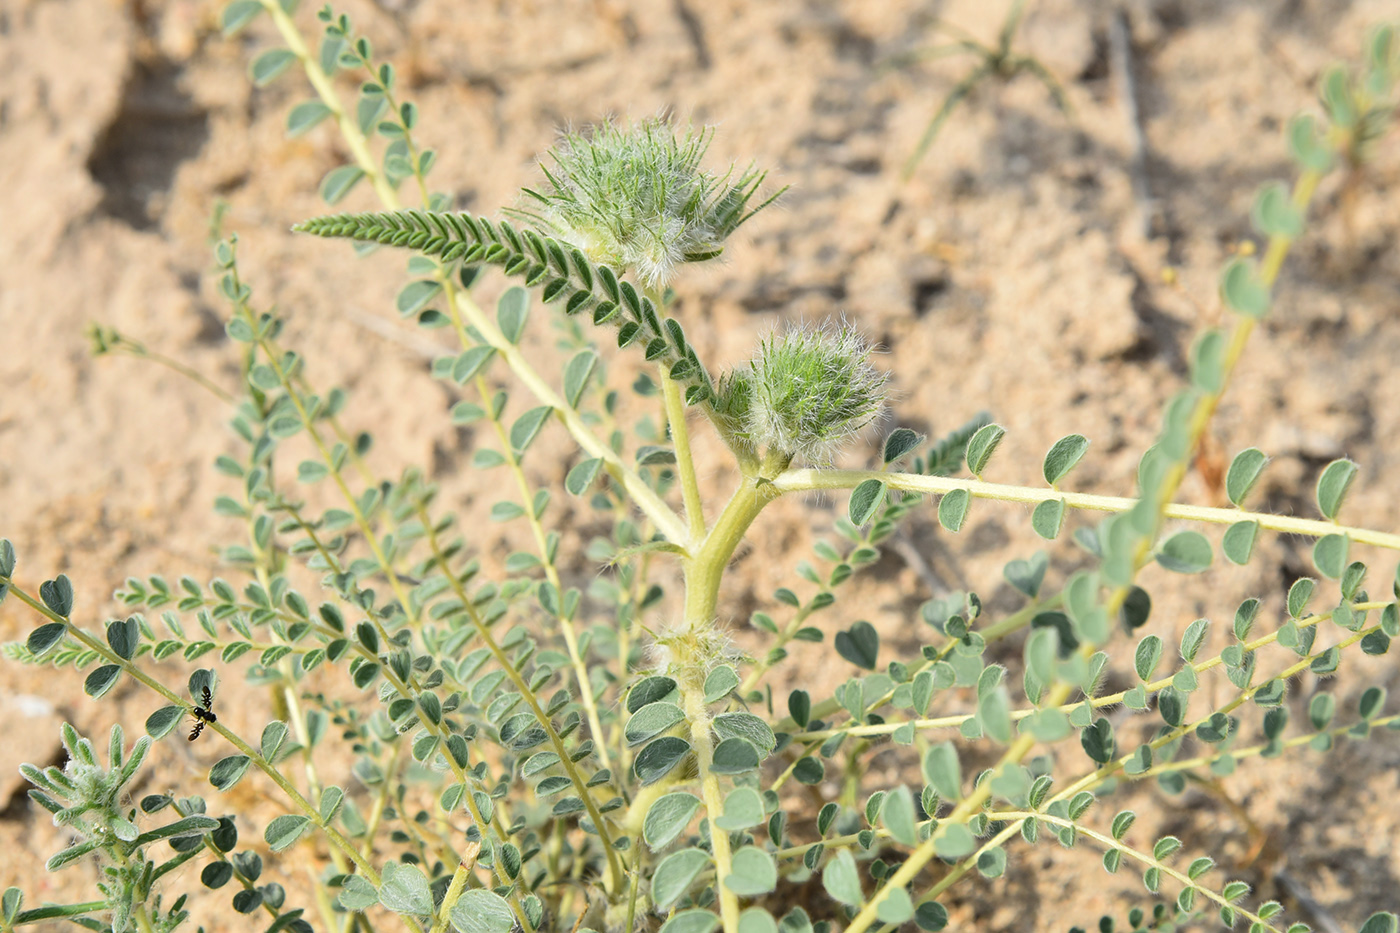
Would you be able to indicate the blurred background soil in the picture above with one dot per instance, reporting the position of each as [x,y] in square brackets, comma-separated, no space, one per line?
[1015,273]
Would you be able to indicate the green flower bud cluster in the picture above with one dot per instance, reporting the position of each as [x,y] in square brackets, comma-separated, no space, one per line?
[806,395]
[635,197]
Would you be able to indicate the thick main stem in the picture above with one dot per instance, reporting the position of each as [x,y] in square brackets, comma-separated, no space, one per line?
[704,570]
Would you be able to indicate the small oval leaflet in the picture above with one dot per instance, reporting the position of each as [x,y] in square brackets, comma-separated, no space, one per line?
[482,911]
[841,879]
[512,310]
[656,760]
[404,890]
[1238,542]
[1332,487]
[269,65]
[163,721]
[527,427]
[304,115]
[668,818]
[229,771]
[860,645]
[1242,290]
[735,756]
[102,680]
[1048,518]
[952,509]
[582,474]
[694,920]
[1275,214]
[285,830]
[1062,457]
[719,683]
[652,720]
[339,181]
[900,442]
[675,873]
[754,873]
[1185,552]
[865,499]
[1330,555]
[743,807]
[981,447]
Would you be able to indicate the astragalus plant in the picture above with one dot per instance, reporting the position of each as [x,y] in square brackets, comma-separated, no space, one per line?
[468,740]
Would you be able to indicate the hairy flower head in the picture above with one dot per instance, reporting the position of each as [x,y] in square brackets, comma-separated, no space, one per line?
[808,393]
[635,197]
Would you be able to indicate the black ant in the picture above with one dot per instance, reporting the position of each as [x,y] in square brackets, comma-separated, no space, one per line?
[203,712]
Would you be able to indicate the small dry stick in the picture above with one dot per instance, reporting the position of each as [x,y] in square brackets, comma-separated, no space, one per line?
[1121,56]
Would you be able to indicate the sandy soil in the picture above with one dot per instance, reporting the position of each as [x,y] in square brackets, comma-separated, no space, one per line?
[1012,275]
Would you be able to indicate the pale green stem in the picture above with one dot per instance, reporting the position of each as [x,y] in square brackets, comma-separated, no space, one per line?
[807,480]
[685,463]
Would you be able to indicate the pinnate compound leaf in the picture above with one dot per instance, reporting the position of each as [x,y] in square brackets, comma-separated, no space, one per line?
[1185,552]
[1062,457]
[482,911]
[865,499]
[981,447]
